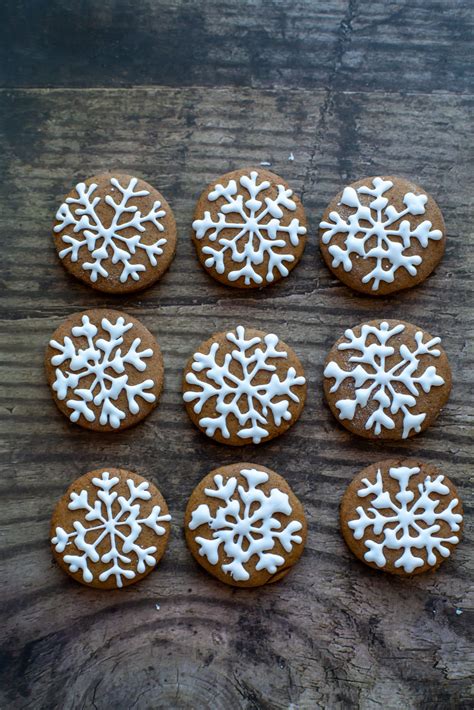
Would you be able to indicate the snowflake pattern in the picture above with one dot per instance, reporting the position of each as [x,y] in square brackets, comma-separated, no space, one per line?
[245,236]
[114,519]
[408,522]
[244,525]
[393,389]
[249,402]
[385,239]
[102,358]
[104,243]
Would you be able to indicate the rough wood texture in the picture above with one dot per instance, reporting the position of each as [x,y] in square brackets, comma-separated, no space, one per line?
[412,45]
[334,633]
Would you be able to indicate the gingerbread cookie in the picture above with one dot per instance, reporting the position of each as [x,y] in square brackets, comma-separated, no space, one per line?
[244,525]
[110,529]
[387,379]
[244,387]
[382,234]
[249,228]
[402,517]
[105,369]
[116,233]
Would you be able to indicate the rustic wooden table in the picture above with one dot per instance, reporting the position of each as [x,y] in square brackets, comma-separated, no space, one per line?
[178,93]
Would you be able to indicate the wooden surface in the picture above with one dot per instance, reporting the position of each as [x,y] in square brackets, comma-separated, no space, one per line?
[184,92]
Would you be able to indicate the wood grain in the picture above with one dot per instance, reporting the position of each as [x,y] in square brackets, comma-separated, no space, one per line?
[407,45]
[350,90]
[334,633]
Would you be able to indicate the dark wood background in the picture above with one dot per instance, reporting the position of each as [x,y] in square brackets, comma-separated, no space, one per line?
[180,92]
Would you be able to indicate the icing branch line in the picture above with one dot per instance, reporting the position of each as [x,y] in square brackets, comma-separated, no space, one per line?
[255,247]
[357,235]
[102,510]
[423,509]
[383,380]
[86,219]
[237,507]
[96,359]
[246,394]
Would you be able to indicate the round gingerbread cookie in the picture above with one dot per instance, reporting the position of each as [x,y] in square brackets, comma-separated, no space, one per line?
[115,232]
[402,517]
[249,228]
[382,234]
[387,379]
[244,386]
[110,529]
[105,369]
[244,525]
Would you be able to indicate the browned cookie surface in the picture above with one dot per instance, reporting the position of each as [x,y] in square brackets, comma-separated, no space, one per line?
[115,232]
[105,369]
[403,517]
[110,528]
[249,228]
[244,386]
[244,525]
[382,234]
[387,379]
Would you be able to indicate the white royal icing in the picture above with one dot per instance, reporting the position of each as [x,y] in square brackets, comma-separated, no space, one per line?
[408,522]
[108,242]
[238,394]
[373,382]
[104,359]
[244,236]
[391,242]
[244,525]
[116,520]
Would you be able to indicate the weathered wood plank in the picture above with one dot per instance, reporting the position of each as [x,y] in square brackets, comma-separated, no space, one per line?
[412,45]
[334,633]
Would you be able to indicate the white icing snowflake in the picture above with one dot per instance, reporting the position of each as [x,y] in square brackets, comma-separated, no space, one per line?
[115,519]
[238,394]
[109,242]
[245,236]
[393,389]
[407,522]
[244,525]
[105,361]
[391,242]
